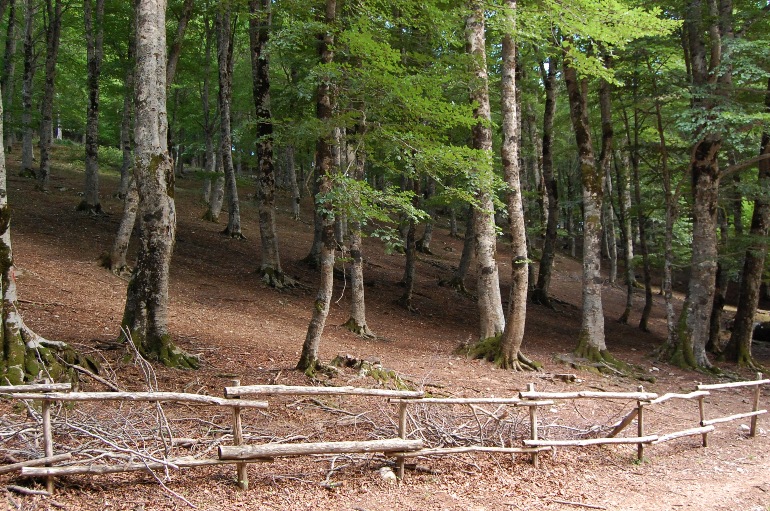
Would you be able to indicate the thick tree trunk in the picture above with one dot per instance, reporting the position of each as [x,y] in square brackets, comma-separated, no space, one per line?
[591,342]
[145,317]
[739,346]
[492,319]
[545,269]
[308,360]
[28,77]
[8,72]
[260,25]
[225,59]
[24,355]
[94,29]
[510,355]
[52,36]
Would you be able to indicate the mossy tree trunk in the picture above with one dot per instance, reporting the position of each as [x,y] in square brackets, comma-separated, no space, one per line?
[145,316]
[491,317]
[308,360]
[591,343]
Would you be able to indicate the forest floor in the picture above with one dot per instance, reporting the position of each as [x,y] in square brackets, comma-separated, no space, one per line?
[242,329]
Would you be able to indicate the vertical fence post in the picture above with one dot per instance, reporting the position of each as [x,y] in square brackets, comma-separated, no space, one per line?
[640,426]
[47,439]
[757,394]
[400,461]
[243,475]
[533,427]
[702,410]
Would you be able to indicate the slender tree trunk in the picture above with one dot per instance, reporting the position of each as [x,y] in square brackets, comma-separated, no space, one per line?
[739,346]
[457,282]
[605,163]
[410,251]
[308,360]
[313,259]
[52,36]
[260,25]
[145,317]
[357,321]
[591,342]
[225,59]
[627,236]
[115,261]
[291,169]
[209,124]
[492,319]
[714,344]
[94,29]
[510,355]
[423,244]
[126,121]
[9,71]
[27,167]
[540,294]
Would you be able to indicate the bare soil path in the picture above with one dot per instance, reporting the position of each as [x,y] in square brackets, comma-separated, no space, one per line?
[241,329]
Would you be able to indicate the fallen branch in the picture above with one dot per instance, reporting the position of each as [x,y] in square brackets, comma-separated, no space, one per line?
[26,491]
[34,463]
[578,504]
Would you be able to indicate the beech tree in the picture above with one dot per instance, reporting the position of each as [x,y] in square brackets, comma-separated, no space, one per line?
[53,9]
[145,317]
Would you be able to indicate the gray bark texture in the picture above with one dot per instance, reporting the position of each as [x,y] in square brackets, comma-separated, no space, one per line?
[52,37]
[26,89]
[93,14]
[591,342]
[492,319]
[145,317]
[308,360]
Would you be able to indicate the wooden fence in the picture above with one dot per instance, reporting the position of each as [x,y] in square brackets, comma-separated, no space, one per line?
[401,448]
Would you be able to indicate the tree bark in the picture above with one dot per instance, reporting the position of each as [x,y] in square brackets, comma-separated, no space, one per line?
[9,70]
[510,355]
[52,36]
[94,30]
[127,118]
[260,25]
[291,169]
[492,319]
[627,236]
[145,317]
[308,360]
[225,58]
[739,346]
[27,167]
[209,124]
[115,260]
[545,269]
[591,342]
[605,164]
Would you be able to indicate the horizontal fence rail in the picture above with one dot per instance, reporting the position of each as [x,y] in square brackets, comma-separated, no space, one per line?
[241,453]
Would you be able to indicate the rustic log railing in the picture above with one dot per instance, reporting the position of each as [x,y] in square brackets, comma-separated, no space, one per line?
[402,447]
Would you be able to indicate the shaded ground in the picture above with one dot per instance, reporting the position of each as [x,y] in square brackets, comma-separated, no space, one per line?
[221,310]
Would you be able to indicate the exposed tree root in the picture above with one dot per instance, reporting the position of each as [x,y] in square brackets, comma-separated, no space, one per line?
[91,209]
[208,216]
[120,270]
[277,279]
[237,235]
[458,285]
[360,330]
[540,297]
[592,359]
[490,350]
[161,349]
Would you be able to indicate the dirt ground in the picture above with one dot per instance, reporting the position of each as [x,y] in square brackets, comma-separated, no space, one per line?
[221,311]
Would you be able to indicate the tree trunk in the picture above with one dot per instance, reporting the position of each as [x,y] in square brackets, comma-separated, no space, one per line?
[714,344]
[357,156]
[591,343]
[492,319]
[27,167]
[410,251]
[145,317]
[739,346]
[126,121]
[313,259]
[260,25]
[308,360]
[52,36]
[225,58]
[540,294]
[627,237]
[24,355]
[9,70]
[175,50]
[605,164]
[457,282]
[291,170]
[423,244]
[209,124]
[94,29]
[115,261]
[510,355]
